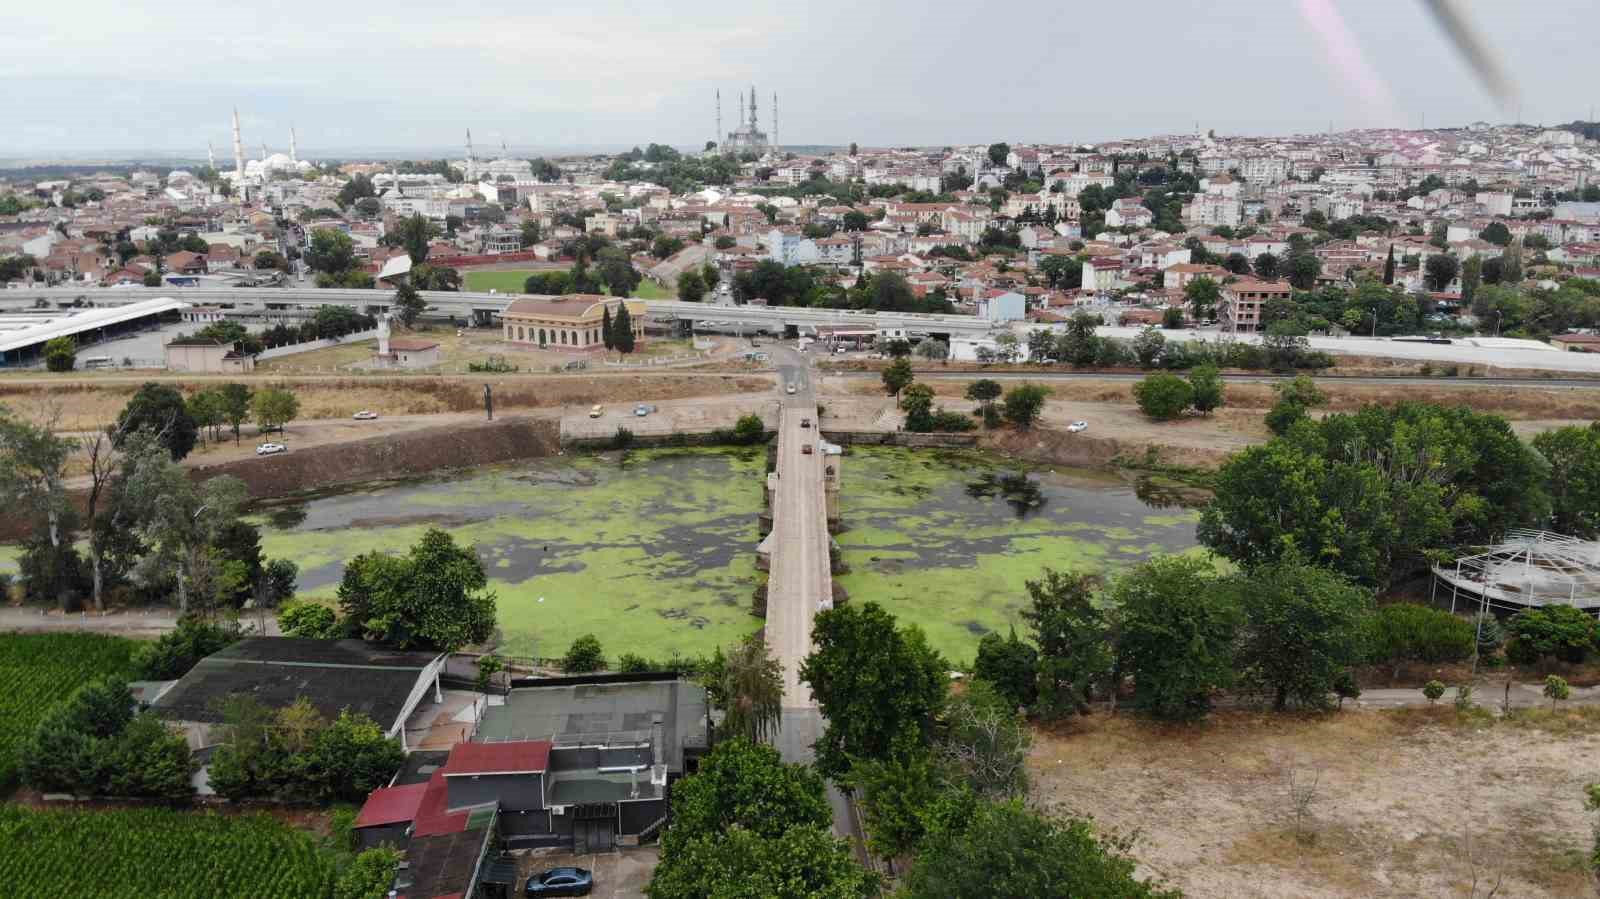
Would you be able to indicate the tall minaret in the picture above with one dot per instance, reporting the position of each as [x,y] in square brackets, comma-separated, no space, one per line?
[294,157]
[718,135]
[211,155]
[774,121]
[753,125]
[238,156]
[472,161]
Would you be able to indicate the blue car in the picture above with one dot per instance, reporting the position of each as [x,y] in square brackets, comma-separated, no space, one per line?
[561,882]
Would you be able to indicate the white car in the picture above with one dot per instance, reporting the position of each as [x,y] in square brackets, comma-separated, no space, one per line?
[1077,426]
[641,410]
[270,449]
[365,415]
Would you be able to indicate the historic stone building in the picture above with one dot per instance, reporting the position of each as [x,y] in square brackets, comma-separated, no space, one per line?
[570,322]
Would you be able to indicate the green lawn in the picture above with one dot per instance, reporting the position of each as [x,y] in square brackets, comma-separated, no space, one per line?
[511,281]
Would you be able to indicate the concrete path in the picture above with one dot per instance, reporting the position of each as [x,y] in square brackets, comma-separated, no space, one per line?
[34,619]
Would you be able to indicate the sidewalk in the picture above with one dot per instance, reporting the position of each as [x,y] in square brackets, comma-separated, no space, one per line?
[141,623]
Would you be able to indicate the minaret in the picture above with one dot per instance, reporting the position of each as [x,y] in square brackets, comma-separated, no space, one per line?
[294,157]
[211,155]
[718,133]
[753,125]
[238,156]
[472,161]
[774,121]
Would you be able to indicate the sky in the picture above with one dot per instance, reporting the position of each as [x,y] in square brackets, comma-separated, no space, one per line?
[107,76]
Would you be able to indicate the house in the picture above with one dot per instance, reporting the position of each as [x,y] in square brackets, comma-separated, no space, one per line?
[1128,212]
[207,356]
[1003,306]
[1180,275]
[1102,273]
[384,684]
[1577,343]
[582,763]
[187,263]
[405,352]
[569,322]
[1242,301]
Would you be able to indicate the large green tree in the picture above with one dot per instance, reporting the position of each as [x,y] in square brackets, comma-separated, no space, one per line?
[1574,456]
[1303,627]
[414,233]
[434,597]
[746,683]
[1175,635]
[273,408]
[877,684]
[331,252]
[408,304]
[1069,629]
[159,409]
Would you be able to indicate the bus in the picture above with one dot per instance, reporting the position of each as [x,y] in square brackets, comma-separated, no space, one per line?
[91,362]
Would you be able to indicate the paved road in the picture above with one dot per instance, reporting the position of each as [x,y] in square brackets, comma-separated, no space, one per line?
[1000,374]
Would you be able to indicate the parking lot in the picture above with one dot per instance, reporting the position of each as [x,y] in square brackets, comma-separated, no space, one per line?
[622,874]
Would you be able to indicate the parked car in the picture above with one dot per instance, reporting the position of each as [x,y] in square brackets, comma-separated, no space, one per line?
[560,882]
[270,449]
[805,422]
[1077,426]
[805,448]
[789,388]
[365,415]
[641,410]
[595,411]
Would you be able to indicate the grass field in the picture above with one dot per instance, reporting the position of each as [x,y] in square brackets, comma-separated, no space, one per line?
[154,852]
[37,670]
[511,281]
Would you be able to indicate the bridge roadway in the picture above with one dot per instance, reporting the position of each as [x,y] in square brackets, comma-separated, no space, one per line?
[464,304]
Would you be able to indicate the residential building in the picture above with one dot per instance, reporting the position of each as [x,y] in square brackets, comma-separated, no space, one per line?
[1003,306]
[1242,301]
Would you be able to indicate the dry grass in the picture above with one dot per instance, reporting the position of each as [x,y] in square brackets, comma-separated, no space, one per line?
[1404,799]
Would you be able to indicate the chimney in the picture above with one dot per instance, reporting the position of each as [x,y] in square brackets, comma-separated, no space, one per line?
[658,746]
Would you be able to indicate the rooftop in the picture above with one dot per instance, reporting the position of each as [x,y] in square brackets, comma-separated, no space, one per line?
[602,712]
[512,757]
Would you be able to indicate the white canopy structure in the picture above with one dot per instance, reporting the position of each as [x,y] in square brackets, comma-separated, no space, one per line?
[1531,568]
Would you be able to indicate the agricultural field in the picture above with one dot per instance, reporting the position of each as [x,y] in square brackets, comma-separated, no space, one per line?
[40,669]
[155,852]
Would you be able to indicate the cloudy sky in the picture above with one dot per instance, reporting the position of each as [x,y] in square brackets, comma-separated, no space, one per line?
[104,76]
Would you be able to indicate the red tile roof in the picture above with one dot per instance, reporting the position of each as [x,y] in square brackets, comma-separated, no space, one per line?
[517,757]
[391,805]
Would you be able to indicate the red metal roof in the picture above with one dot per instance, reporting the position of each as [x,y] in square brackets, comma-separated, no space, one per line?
[433,818]
[391,805]
[516,757]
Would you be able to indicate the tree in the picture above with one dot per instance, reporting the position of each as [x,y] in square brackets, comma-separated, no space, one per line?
[1070,631]
[434,277]
[691,286]
[1172,318]
[1008,849]
[330,252]
[1175,635]
[746,785]
[998,153]
[309,619]
[746,683]
[1388,266]
[854,220]
[1556,689]
[233,406]
[896,797]
[1471,277]
[60,354]
[274,407]
[622,330]
[877,685]
[1023,403]
[414,233]
[1302,627]
[1295,397]
[984,390]
[986,742]
[606,333]
[1163,396]
[1573,453]
[1432,690]
[1441,269]
[408,304]
[434,597]
[1497,233]
[1267,266]
[370,874]
[1203,294]
[33,462]
[1237,263]
[160,410]
[1148,345]
[1011,665]
[1559,632]
[933,349]
[1302,269]
[897,376]
[1205,384]
[665,246]
[917,402]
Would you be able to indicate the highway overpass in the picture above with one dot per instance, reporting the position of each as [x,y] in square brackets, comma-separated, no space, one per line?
[485,305]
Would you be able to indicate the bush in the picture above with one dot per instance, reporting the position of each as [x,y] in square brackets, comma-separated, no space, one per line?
[584,655]
[1563,632]
[1010,665]
[179,650]
[622,439]
[1163,396]
[749,430]
[944,420]
[1433,689]
[369,876]
[1406,631]
[309,619]
[91,744]
[632,663]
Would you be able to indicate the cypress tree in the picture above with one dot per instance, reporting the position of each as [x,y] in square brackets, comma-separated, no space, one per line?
[1388,267]
[623,338]
[605,329]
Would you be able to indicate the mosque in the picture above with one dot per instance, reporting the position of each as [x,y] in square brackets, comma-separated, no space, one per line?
[748,137]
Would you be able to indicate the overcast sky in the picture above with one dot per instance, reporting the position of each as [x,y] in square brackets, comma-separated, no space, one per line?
[101,76]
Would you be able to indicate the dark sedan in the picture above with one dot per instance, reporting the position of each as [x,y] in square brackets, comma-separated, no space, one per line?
[561,882]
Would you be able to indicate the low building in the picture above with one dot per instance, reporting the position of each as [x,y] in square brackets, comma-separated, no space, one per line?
[203,355]
[406,352]
[1007,306]
[572,322]
[1577,343]
[1242,301]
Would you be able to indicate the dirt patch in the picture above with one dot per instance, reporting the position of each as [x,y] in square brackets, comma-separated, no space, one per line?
[1404,802]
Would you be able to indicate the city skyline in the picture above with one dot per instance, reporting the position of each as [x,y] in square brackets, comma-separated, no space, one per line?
[890,77]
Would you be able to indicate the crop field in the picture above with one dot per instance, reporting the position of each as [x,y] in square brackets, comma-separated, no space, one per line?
[157,854]
[41,669]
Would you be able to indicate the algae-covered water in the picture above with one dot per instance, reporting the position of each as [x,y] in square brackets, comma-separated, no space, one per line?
[654,551]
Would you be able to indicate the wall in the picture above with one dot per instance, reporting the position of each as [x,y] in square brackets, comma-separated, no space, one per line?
[900,438]
[310,345]
[514,792]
